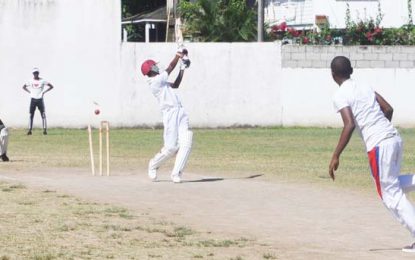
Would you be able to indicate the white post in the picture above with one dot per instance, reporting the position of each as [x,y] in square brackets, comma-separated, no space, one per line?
[260,25]
[125,35]
[147,31]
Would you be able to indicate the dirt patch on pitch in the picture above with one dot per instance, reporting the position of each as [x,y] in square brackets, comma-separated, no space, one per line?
[299,221]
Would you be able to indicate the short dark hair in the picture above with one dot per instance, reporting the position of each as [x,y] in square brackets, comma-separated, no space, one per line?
[341,67]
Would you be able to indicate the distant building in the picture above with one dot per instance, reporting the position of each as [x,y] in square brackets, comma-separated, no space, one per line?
[308,13]
[153,25]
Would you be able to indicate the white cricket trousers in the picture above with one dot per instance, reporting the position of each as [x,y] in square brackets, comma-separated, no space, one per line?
[176,124]
[177,139]
[385,163]
[4,140]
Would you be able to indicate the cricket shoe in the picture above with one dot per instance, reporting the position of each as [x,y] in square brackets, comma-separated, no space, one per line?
[152,173]
[176,178]
[4,158]
[409,249]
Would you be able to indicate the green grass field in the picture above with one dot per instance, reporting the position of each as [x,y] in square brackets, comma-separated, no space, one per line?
[298,154]
[33,220]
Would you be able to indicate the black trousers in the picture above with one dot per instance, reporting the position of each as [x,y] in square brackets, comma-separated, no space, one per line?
[37,103]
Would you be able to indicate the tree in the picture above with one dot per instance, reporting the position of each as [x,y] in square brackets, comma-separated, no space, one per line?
[219,20]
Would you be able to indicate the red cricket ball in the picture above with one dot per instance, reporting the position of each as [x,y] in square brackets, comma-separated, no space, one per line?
[97,111]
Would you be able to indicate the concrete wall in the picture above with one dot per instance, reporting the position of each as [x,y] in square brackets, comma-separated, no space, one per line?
[302,56]
[307,95]
[308,86]
[227,84]
[266,83]
[77,46]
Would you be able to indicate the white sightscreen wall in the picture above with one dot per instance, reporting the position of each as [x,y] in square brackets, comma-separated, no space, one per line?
[75,43]
[227,83]
[307,95]
[77,46]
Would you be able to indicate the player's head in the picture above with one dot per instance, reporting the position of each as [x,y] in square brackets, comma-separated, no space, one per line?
[341,68]
[149,68]
[35,72]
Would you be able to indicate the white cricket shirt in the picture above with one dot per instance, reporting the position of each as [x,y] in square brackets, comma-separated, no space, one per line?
[36,87]
[370,121]
[163,92]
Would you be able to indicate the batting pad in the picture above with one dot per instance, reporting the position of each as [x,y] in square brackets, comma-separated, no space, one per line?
[185,147]
[4,140]
[161,157]
[4,132]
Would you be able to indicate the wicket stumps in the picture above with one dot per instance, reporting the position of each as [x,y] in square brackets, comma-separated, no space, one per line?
[106,125]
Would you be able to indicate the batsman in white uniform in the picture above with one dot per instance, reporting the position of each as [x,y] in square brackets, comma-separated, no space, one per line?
[37,89]
[4,141]
[177,137]
[362,108]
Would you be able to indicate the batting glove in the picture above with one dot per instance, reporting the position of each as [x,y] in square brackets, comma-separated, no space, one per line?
[185,63]
[182,51]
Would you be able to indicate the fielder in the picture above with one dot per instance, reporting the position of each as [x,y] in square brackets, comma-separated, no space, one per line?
[36,89]
[4,141]
[366,110]
[177,137]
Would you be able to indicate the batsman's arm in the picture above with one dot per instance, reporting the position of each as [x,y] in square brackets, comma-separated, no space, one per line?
[25,88]
[178,80]
[348,122]
[384,106]
[173,63]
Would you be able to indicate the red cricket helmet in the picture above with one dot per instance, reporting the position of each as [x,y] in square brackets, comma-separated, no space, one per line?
[146,66]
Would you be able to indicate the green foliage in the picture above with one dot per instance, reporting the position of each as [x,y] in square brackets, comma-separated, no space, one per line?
[400,36]
[348,16]
[134,32]
[218,20]
[324,36]
[365,33]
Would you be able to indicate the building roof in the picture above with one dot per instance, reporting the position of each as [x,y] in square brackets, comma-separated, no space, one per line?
[158,15]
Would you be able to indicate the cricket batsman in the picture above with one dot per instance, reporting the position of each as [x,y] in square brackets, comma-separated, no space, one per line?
[177,137]
[36,89]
